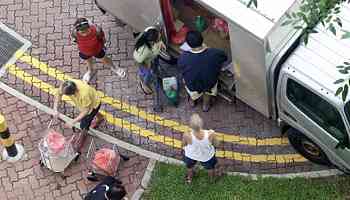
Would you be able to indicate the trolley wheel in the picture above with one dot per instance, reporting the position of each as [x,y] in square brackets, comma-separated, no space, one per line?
[92,177]
[77,157]
[124,157]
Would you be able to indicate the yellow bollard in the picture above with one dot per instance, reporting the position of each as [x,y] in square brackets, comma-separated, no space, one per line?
[12,151]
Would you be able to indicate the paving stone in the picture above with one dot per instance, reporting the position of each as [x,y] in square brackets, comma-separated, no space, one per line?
[27,179]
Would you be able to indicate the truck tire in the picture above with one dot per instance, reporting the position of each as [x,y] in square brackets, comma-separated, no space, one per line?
[307,148]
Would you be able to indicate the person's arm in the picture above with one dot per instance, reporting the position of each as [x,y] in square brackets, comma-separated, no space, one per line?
[157,47]
[74,36]
[81,115]
[185,141]
[221,57]
[142,54]
[180,64]
[100,34]
[213,138]
[57,100]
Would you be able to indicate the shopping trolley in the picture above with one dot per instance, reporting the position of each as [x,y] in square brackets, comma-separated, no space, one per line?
[103,161]
[56,152]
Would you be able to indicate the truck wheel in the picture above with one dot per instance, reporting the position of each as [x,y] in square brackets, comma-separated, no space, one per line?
[306,147]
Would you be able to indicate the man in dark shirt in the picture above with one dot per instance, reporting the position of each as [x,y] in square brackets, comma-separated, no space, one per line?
[200,69]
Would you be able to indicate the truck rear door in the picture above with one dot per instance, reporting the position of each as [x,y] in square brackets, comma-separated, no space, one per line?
[137,13]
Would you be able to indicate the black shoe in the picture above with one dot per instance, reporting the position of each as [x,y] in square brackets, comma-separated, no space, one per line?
[92,177]
[158,109]
[77,157]
[124,157]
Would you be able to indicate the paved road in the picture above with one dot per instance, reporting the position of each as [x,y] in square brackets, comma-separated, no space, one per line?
[27,180]
[250,142]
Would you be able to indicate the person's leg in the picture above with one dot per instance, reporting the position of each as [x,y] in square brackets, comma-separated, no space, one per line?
[99,117]
[156,85]
[82,139]
[189,169]
[146,79]
[90,63]
[85,124]
[210,166]
[207,96]
[193,97]
[107,61]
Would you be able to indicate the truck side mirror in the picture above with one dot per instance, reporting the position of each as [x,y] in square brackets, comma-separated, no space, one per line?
[341,137]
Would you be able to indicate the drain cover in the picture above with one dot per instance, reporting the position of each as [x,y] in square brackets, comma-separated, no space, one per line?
[11,43]
[8,46]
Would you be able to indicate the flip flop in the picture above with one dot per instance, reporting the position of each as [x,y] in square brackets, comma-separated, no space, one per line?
[119,71]
[188,179]
[143,90]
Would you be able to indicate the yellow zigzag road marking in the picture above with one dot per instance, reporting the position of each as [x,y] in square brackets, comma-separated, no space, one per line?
[59,75]
[133,128]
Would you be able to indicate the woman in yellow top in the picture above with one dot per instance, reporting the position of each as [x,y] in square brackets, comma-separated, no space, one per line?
[85,98]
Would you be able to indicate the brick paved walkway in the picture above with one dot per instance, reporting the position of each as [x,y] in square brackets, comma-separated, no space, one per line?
[27,180]
[47,24]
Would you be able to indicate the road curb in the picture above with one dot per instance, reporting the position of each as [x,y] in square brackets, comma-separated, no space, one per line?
[312,174]
[145,180]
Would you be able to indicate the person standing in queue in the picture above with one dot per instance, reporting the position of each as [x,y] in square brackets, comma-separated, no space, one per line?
[147,48]
[200,69]
[85,98]
[198,146]
[91,39]
[146,53]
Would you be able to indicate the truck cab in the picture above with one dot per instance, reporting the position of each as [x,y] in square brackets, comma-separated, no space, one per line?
[306,97]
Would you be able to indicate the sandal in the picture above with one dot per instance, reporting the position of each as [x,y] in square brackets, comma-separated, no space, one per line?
[143,89]
[188,179]
[119,71]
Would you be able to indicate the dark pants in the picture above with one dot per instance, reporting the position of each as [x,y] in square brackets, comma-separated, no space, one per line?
[86,121]
[150,77]
[85,126]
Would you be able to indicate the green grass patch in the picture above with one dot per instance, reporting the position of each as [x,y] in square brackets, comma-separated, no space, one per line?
[168,184]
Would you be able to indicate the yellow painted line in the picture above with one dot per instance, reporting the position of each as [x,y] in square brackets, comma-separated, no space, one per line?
[59,75]
[133,128]
[265,158]
[109,117]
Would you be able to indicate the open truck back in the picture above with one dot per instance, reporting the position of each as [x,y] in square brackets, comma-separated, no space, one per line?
[275,73]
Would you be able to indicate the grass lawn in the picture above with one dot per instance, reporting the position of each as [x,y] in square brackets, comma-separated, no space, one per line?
[168,183]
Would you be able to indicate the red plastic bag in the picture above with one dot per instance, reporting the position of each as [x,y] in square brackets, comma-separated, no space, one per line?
[55,142]
[106,160]
[180,37]
[220,25]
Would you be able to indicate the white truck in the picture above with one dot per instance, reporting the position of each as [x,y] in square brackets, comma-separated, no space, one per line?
[275,72]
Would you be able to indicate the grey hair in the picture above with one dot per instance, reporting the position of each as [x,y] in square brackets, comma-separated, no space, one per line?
[196,122]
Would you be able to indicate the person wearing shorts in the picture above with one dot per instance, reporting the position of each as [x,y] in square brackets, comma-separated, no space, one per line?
[85,98]
[198,147]
[91,39]
[200,68]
